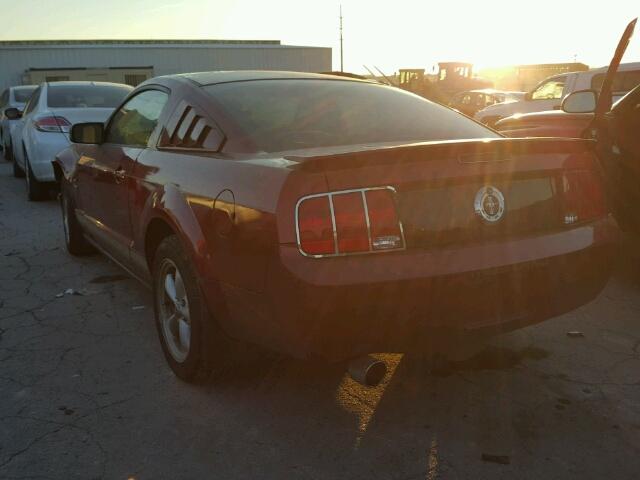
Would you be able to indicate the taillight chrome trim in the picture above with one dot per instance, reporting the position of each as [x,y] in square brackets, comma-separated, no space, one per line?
[333,225]
[330,196]
[366,218]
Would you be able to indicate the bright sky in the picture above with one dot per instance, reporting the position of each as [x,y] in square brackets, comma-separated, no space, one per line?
[388,34]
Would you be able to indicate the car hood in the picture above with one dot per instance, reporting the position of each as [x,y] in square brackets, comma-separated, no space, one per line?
[546,116]
[507,109]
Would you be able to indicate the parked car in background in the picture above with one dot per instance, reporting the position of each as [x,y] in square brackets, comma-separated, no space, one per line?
[42,130]
[549,93]
[332,217]
[471,101]
[12,97]
[615,129]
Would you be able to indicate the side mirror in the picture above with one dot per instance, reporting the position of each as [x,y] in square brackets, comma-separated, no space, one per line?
[92,133]
[528,96]
[582,101]
[12,113]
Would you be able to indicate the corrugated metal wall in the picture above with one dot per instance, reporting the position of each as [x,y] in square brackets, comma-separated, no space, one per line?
[15,60]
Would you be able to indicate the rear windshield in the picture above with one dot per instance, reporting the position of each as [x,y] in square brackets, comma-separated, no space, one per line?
[278,115]
[22,94]
[83,96]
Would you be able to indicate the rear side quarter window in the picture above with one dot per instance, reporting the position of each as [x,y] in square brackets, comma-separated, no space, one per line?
[190,128]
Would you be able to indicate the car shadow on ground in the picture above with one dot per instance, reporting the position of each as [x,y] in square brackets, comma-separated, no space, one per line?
[510,406]
[627,267]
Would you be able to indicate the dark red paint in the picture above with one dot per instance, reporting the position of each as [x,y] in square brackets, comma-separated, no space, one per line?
[235,218]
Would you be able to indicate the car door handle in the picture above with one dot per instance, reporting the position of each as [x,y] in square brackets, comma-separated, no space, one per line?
[119,173]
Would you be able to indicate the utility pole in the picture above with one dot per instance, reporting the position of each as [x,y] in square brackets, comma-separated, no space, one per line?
[341,58]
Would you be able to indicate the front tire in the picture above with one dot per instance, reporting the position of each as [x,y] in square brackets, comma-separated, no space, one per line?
[182,317]
[73,235]
[36,190]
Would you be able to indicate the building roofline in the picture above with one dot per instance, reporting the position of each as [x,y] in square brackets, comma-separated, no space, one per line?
[63,69]
[552,65]
[137,42]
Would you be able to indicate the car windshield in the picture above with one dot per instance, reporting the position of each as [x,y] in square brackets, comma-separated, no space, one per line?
[22,94]
[83,96]
[279,115]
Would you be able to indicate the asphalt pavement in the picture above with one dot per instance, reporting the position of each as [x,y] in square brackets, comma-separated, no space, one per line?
[85,392]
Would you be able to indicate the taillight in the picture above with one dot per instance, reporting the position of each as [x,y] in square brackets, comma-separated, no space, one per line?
[349,222]
[51,123]
[584,197]
[386,231]
[315,227]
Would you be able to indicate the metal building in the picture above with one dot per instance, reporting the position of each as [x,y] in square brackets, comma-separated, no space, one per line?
[133,61]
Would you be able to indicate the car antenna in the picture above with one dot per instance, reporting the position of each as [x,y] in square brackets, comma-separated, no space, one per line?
[386,78]
[375,77]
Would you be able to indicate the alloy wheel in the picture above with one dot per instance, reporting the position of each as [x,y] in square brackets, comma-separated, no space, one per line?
[175,318]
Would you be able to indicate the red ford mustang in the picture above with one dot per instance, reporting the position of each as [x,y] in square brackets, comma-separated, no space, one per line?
[333,217]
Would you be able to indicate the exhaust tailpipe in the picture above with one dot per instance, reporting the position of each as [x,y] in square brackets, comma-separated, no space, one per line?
[367,370]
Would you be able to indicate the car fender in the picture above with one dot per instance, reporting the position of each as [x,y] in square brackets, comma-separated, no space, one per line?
[171,205]
[27,142]
[64,164]
[16,143]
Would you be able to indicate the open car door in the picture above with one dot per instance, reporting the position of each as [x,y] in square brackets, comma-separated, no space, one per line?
[617,132]
[619,151]
[606,92]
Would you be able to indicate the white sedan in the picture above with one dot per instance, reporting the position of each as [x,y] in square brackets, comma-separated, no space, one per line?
[43,129]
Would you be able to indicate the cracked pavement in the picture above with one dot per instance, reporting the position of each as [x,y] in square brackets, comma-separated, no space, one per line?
[85,392]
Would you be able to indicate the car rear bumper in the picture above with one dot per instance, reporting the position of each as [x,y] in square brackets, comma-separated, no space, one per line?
[342,307]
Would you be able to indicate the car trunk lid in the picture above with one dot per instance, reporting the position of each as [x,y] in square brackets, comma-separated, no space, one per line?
[469,191]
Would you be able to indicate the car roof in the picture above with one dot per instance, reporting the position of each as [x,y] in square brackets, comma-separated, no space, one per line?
[491,91]
[624,67]
[212,78]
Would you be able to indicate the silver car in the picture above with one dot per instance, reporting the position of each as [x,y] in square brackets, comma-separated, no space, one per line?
[12,97]
[43,129]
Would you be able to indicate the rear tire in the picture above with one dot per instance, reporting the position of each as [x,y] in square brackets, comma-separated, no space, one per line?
[189,337]
[36,190]
[73,235]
